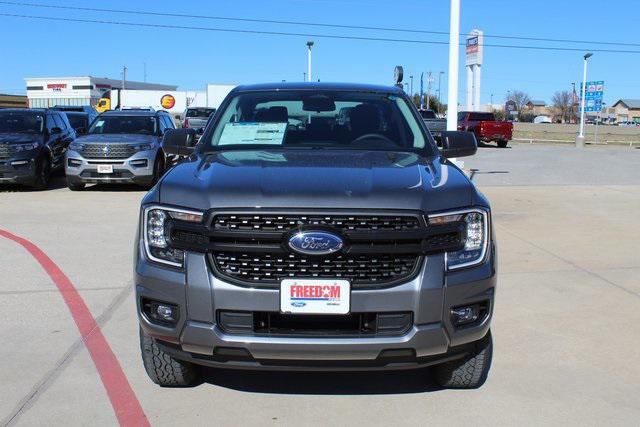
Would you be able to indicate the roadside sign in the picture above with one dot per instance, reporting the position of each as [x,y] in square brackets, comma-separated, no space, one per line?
[593,96]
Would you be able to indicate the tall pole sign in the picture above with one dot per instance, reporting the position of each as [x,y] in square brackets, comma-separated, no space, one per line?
[474,54]
[454,48]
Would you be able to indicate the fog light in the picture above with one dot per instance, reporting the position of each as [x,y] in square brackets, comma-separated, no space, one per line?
[140,163]
[160,312]
[468,315]
[165,312]
[462,315]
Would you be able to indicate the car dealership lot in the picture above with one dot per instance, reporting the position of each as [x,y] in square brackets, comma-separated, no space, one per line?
[565,326]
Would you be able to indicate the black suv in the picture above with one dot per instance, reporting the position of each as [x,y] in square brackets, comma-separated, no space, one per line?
[80,116]
[32,144]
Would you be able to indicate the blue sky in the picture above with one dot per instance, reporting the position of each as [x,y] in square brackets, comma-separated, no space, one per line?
[190,59]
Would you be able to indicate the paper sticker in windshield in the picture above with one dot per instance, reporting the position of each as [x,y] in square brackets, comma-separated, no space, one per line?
[253,133]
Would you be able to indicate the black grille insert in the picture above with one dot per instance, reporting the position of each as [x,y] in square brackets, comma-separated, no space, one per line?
[349,325]
[261,222]
[252,248]
[271,269]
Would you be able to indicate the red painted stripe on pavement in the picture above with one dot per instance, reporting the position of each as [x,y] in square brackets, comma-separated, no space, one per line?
[124,401]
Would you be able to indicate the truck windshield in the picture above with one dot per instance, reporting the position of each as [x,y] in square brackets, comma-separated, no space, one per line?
[319,119]
[20,122]
[145,125]
[482,117]
[200,112]
[78,120]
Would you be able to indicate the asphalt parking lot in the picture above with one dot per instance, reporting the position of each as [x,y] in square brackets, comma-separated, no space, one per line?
[565,328]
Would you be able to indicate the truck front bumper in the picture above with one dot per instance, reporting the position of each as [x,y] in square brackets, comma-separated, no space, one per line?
[431,338]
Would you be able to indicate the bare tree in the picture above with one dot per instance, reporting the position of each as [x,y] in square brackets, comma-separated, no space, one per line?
[563,104]
[520,98]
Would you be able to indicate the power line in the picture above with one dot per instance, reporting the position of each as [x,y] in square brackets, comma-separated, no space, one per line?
[282,33]
[313,24]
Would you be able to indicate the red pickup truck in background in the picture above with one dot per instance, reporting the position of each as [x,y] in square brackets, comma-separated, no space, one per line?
[485,127]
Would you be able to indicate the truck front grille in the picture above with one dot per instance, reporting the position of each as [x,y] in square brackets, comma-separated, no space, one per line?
[261,222]
[107,151]
[251,248]
[271,269]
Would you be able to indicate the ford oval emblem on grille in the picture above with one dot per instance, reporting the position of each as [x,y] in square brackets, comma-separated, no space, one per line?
[315,243]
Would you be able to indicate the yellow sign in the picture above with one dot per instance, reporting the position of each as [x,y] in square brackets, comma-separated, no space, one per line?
[168,101]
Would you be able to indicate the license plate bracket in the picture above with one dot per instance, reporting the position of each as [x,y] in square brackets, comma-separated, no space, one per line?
[315,296]
[105,168]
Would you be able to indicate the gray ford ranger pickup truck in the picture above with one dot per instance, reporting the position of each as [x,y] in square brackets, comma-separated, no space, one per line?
[288,240]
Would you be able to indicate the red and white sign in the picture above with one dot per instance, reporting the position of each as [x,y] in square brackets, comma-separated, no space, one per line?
[474,47]
[57,86]
[311,296]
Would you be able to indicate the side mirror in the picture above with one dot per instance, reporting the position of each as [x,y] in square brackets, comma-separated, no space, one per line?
[458,144]
[55,130]
[179,142]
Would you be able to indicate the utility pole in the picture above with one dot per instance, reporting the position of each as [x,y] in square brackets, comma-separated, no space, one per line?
[580,137]
[411,88]
[124,80]
[454,52]
[429,80]
[309,46]
[574,101]
[440,89]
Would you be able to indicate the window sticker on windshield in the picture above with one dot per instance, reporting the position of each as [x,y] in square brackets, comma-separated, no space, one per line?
[99,123]
[253,133]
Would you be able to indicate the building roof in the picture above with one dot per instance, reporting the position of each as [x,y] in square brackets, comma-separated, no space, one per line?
[632,104]
[537,103]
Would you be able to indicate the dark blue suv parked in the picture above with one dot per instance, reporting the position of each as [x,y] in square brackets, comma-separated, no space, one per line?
[32,145]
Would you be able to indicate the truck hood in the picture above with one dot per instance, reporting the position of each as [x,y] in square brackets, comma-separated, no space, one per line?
[316,179]
[19,138]
[116,138]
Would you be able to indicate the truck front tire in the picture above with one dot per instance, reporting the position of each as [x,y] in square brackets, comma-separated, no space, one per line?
[469,372]
[163,369]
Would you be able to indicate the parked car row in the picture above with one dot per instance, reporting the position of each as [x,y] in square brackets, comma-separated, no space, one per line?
[115,146]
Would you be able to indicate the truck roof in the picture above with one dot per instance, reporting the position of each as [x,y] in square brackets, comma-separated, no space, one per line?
[319,86]
[148,113]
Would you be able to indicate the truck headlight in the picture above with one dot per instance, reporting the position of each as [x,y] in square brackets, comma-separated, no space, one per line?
[156,242]
[476,236]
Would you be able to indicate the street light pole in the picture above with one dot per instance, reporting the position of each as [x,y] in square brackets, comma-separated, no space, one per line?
[580,137]
[411,88]
[454,52]
[440,89]
[309,46]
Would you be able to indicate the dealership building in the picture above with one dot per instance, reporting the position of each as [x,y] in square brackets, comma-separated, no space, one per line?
[44,92]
